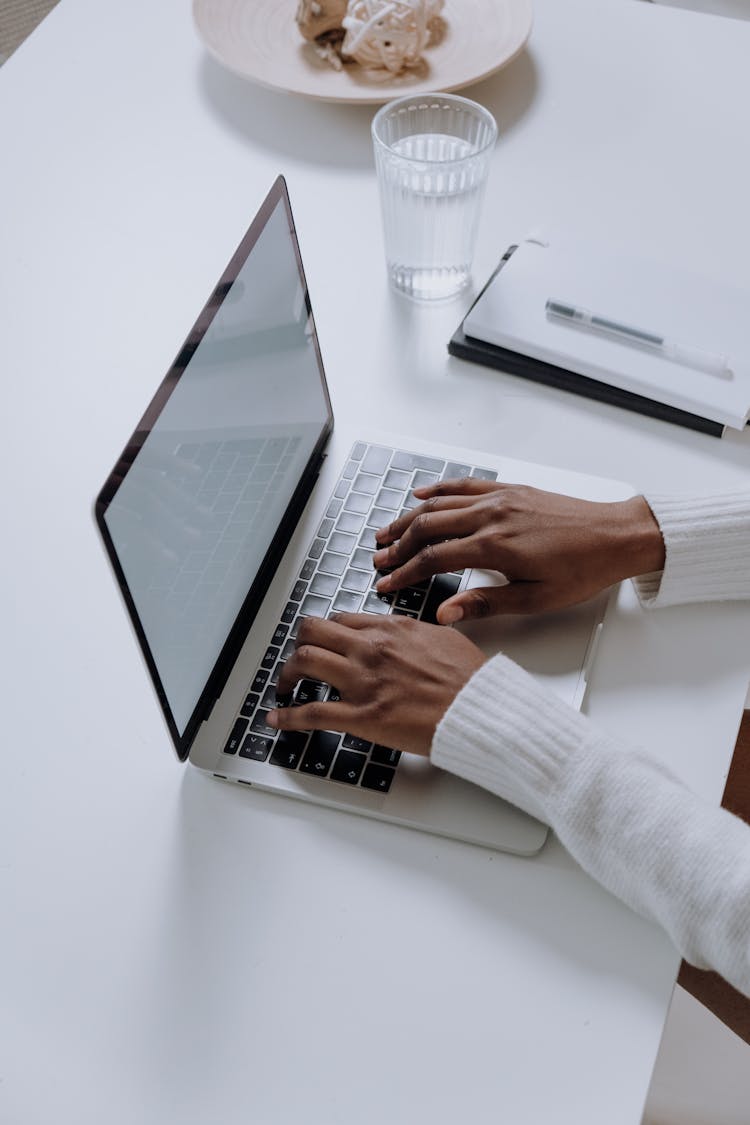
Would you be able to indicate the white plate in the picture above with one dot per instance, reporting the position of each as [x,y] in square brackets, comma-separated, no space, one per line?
[259,39]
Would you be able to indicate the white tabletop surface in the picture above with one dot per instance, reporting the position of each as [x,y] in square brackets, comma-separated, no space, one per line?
[174,949]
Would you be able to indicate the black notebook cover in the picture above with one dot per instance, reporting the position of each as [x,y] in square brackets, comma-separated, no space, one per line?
[514,363]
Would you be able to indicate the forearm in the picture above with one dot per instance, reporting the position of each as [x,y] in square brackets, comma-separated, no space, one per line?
[625,819]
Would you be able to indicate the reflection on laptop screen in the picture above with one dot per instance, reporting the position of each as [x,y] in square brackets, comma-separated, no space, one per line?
[194,517]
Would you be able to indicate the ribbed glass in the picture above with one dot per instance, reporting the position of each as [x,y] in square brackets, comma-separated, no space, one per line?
[432,155]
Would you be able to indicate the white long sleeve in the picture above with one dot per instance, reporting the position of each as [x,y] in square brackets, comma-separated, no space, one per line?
[708,549]
[624,818]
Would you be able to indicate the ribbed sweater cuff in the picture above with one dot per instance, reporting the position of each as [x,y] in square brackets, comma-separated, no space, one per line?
[707,540]
[505,732]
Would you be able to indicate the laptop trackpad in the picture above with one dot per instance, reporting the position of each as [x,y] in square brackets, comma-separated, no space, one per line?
[554,646]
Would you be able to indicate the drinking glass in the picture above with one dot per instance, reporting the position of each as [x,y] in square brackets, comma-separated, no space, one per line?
[432,155]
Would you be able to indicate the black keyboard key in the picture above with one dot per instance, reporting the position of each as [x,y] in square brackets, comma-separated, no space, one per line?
[248,707]
[405,613]
[351,742]
[260,681]
[283,698]
[348,767]
[279,635]
[289,748]
[308,570]
[290,612]
[235,738]
[409,598]
[288,649]
[377,777]
[270,658]
[299,591]
[310,691]
[274,677]
[256,747]
[384,756]
[320,753]
[443,586]
[269,698]
[376,460]
[260,726]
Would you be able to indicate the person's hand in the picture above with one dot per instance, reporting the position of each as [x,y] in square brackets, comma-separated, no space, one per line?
[554,550]
[396,677]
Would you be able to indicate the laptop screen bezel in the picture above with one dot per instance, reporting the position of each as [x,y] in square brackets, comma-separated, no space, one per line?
[237,634]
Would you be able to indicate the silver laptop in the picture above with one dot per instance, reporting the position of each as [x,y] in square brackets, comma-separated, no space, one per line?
[236,510]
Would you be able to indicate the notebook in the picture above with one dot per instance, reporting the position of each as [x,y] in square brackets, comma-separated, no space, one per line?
[509,327]
[237,509]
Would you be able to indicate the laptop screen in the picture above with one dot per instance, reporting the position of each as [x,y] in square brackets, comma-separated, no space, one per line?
[200,498]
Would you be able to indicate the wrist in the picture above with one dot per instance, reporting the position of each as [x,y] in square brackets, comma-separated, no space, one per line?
[641,543]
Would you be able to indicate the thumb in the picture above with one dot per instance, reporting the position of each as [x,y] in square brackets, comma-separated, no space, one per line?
[487,601]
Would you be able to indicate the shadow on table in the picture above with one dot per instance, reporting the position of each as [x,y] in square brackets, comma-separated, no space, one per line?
[251,936]
[221,829]
[338,134]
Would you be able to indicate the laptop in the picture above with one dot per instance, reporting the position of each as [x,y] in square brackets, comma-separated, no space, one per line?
[236,509]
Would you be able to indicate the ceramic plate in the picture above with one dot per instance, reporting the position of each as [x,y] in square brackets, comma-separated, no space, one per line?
[259,39]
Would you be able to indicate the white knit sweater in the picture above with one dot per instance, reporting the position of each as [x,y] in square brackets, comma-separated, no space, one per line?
[629,822]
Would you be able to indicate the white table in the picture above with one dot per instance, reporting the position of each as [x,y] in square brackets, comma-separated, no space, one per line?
[173,949]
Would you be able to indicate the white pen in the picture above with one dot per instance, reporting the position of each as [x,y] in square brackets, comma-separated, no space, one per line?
[638,337]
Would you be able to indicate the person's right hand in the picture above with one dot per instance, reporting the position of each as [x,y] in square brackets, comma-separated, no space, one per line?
[554,550]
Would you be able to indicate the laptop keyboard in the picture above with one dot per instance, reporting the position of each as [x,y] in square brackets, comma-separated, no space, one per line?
[338,576]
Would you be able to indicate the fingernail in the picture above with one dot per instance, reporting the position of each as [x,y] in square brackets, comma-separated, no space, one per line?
[451,614]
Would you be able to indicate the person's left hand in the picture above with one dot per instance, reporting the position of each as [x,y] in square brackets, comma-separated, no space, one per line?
[396,677]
